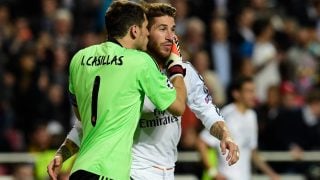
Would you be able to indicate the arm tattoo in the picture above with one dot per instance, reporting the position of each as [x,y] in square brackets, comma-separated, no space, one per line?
[64,152]
[67,149]
[219,130]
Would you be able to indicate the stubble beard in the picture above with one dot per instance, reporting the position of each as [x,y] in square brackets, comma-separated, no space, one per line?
[157,55]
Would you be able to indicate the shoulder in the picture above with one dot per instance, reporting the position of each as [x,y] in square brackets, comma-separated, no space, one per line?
[228,109]
[88,50]
[189,67]
[144,58]
[252,113]
[143,55]
[92,47]
[191,73]
[138,55]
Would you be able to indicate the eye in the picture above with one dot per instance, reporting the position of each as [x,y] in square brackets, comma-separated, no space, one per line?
[163,28]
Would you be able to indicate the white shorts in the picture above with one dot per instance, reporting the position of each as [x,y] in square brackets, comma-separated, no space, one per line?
[154,173]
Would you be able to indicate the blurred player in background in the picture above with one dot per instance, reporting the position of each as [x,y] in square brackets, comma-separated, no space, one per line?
[241,119]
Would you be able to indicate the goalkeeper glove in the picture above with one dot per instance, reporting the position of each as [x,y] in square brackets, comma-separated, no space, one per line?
[174,63]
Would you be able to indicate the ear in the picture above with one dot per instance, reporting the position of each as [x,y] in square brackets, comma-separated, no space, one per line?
[134,31]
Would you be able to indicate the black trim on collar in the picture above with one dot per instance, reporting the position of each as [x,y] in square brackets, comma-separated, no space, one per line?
[111,39]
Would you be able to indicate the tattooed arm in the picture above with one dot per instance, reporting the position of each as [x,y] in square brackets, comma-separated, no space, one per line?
[66,150]
[220,131]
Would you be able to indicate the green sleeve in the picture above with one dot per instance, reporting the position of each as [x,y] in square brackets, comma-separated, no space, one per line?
[156,86]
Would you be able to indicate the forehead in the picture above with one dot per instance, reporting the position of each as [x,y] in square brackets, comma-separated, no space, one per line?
[163,20]
[248,86]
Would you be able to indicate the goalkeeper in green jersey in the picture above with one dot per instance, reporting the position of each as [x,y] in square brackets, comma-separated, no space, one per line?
[108,83]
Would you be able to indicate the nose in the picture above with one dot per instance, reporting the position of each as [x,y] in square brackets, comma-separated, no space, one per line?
[170,36]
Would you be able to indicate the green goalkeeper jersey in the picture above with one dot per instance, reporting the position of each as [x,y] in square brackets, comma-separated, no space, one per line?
[109,84]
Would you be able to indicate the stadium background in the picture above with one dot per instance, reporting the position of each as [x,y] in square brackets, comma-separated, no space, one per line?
[39,37]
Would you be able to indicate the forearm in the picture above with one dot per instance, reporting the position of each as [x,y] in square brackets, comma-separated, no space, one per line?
[220,131]
[178,106]
[180,87]
[67,149]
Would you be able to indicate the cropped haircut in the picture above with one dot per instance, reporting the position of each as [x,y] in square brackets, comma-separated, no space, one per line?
[260,25]
[239,81]
[158,10]
[121,15]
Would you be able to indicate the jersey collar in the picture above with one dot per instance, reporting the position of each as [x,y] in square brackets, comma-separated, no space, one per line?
[111,39]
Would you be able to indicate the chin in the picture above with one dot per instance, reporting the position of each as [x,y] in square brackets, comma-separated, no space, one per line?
[160,56]
[164,53]
[164,56]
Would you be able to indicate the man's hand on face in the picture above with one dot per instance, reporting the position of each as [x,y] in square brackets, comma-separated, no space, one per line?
[174,63]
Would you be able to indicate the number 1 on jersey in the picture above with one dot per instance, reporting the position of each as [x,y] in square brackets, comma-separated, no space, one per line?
[94,103]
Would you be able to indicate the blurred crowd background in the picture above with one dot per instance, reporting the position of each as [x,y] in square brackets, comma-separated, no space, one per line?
[275,41]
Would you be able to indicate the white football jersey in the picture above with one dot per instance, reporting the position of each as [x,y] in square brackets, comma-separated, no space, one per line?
[158,132]
[243,128]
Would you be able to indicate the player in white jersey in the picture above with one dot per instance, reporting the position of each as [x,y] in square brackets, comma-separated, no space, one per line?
[158,132]
[241,119]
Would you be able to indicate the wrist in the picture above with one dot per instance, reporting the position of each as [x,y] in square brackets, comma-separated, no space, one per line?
[175,75]
[226,135]
[228,138]
[58,155]
[64,153]
[176,69]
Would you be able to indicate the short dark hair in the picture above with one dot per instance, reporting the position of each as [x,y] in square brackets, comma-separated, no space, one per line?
[260,25]
[239,81]
[121,15]
[158,10]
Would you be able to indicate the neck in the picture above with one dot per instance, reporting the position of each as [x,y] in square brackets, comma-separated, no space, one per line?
[160,63]
[241,107]
[126,42]
[262,39]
